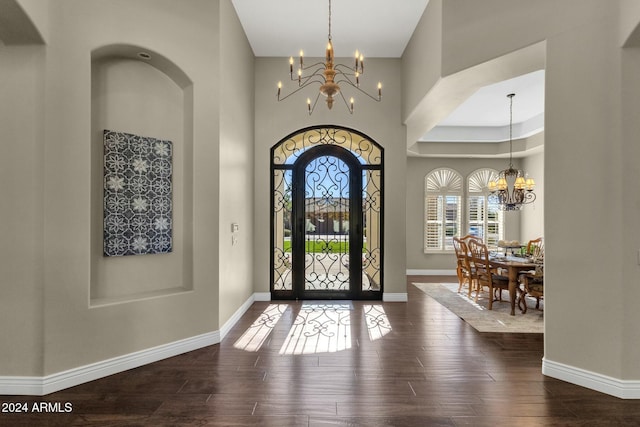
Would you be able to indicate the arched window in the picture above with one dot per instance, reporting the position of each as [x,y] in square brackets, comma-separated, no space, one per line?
[442,209]
[484,219]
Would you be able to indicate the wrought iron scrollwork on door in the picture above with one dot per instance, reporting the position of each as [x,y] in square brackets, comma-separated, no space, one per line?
[337,214]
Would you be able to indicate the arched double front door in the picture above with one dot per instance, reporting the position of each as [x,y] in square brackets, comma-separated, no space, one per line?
[326,216]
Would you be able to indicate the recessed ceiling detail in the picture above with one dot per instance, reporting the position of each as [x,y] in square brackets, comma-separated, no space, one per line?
[483,117]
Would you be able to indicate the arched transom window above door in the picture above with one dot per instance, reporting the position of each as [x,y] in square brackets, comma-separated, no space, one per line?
[292,147]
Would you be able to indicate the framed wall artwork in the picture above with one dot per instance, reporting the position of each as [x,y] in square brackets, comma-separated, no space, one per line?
[137,194]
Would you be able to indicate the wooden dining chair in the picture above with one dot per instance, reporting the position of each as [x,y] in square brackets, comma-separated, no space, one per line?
[464,266]
[531,282]
[460,270]
[534,247]
[533,285]
[484,274]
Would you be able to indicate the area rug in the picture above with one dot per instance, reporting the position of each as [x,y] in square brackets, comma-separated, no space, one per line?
[478,314]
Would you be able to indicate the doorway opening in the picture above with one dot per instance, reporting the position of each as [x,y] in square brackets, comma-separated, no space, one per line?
[326,216]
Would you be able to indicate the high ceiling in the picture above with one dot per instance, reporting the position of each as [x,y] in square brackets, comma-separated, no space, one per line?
[378,28]
[382,29]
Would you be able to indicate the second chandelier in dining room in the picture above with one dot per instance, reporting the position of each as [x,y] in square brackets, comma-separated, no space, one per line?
[329,76]
[514,188]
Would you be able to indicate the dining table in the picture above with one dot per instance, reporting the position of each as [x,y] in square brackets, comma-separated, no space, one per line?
[514,265]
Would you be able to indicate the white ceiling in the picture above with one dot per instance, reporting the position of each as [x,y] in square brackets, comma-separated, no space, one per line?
[484,117]
[378,28]
[382,29]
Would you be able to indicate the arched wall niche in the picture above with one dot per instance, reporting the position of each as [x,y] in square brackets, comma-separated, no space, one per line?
[142,54]
[138,91]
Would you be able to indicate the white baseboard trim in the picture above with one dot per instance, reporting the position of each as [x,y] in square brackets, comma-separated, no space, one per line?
[622,389]
[21,386]
[262,296]
[224,330]
[431,272]
[395,297]
[39,386]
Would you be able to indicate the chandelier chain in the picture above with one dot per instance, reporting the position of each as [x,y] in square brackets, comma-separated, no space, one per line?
[511,95]
[329,20]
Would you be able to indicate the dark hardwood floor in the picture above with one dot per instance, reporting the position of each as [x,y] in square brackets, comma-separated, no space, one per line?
[391,364]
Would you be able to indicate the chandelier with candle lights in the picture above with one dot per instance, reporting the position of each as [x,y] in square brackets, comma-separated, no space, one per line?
[513,189]
[329,76]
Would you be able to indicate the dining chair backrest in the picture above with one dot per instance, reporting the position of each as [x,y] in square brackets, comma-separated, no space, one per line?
[535,250]
[461,245]
[458,247]
[462,252]
[467,237]
[479,256]
[534,246]
[466,240]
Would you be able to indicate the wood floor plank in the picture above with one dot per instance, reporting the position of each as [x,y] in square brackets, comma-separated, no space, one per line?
[387,364]
[385,421]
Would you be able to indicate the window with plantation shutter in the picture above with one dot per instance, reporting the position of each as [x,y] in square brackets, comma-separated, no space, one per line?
[484,219]
[443,208]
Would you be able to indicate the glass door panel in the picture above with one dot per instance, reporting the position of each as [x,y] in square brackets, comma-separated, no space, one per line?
[327,209]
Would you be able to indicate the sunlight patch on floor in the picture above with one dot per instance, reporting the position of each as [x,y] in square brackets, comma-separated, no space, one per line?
[319,327]
[377,322]
[255,336]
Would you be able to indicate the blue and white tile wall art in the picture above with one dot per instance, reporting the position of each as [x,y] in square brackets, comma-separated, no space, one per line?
[137,194]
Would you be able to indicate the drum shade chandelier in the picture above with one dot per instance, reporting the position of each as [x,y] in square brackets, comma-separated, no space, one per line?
[513,189]
[329,76]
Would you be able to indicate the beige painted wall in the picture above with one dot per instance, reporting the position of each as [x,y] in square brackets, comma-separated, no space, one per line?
[38,13]
[582,156]
[532,216]
[582,153]
[474,32]
[78,331]
[422,58]
[76,334]
[22,215]
[236,164]
[630,209]
[629,19]
[380,121]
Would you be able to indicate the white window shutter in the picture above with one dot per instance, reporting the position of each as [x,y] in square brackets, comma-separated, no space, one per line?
[443,199]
